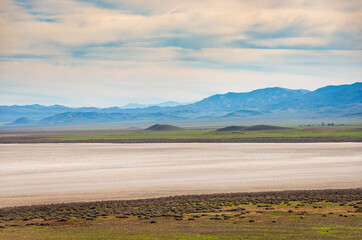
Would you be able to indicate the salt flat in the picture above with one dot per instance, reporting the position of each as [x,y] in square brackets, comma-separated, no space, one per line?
[53,173]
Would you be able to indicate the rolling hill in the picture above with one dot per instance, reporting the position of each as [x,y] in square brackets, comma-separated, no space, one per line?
[163,127]
[250,128]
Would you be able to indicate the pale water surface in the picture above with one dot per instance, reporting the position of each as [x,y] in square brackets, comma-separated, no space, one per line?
[50,173]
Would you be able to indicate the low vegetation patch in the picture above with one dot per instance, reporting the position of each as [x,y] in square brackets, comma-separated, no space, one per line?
[313,214]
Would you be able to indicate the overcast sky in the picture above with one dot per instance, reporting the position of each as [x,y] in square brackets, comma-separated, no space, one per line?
[113,52]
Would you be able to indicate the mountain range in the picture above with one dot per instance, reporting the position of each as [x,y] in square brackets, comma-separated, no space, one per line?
[164,104]
[343,101]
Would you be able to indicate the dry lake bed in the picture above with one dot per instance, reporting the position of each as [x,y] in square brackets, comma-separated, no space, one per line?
[53,173]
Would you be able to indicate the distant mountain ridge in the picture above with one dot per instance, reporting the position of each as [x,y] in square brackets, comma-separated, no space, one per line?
[163,104]
[330,97]
[97,117]
[38,112]
[253,100]
[333,101]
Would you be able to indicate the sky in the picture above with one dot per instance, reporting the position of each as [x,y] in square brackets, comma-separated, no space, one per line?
[112,52]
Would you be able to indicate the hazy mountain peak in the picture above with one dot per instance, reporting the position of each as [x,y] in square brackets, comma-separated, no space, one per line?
[23,121]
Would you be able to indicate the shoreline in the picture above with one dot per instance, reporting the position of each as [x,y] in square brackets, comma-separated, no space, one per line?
[85,198]
[279,194]
[192,140]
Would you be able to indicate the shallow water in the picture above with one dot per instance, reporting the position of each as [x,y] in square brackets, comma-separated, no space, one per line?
[49,173]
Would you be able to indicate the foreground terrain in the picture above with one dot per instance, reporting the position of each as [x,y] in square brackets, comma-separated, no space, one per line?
[313,214]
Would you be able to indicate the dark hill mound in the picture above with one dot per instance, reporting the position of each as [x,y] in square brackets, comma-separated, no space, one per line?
[231,128]
[264,127]
[251,128]
[163,127]
[23,121]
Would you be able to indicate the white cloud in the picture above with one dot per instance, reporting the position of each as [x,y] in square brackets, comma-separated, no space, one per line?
[82,23]
[174,50]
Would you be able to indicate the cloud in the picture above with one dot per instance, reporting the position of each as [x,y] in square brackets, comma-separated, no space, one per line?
[119,49]
[82,22]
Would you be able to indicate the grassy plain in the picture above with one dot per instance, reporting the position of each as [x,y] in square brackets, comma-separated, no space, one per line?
[348,133]
[318,214]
